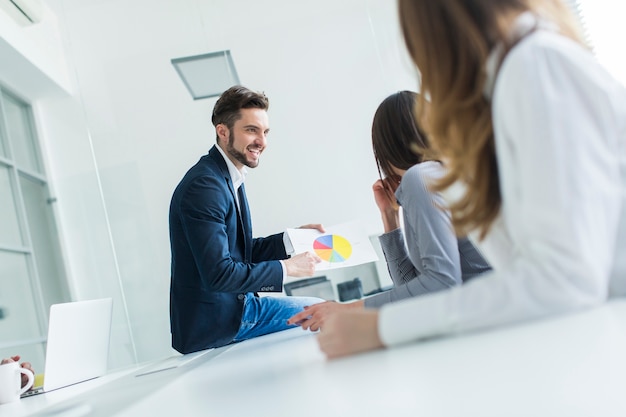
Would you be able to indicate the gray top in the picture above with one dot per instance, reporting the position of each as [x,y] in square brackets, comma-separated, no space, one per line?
[427,257]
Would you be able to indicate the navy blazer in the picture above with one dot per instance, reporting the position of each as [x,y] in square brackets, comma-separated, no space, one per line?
[215,260]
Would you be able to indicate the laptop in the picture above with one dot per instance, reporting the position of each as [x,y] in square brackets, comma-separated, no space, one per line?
[78,343]
[319,287]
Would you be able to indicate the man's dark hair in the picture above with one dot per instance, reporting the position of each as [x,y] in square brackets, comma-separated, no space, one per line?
[226,110]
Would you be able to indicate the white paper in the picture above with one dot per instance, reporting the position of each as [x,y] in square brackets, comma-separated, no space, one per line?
[340,246]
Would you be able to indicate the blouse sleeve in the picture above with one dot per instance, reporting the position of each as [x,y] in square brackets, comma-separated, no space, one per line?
[559,178]
[433,244]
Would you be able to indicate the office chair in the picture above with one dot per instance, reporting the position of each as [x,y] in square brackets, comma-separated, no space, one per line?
[350,290]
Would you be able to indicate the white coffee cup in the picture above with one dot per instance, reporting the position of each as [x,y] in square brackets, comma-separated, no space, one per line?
[11,382]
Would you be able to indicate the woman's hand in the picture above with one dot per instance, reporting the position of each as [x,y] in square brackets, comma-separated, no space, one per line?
[25,365]
[384,194]
[349,332]
[313,317]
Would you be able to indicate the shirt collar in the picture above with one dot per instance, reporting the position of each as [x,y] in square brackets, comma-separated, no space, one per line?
[524,24]
[236,176]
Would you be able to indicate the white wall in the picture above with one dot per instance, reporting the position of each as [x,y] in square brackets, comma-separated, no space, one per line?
[325,67]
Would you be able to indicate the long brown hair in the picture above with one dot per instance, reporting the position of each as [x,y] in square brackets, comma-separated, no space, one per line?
[449,41]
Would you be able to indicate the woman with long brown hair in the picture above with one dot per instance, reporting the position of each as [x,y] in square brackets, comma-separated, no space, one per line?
[533,133]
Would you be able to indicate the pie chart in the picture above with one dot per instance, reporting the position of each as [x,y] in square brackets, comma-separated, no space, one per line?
[332,248]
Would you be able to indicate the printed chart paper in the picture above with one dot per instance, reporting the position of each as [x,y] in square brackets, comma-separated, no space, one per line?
[340,246]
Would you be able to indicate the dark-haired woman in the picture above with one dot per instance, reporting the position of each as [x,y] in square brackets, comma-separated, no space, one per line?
[423,254]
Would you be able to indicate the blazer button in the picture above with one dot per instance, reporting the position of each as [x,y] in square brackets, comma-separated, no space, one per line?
[240,297]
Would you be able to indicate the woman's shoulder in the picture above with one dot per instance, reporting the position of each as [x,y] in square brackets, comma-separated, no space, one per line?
[542,51]
[416,183]
[424,173]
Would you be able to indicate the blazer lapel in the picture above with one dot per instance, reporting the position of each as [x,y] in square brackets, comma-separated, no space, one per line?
[243,210]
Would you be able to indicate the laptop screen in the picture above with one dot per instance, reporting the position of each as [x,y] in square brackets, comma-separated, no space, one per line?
[78,342]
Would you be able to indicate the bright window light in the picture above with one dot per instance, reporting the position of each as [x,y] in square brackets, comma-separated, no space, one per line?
[604,20]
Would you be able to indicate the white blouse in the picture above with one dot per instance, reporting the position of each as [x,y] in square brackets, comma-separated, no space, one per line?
[559,243]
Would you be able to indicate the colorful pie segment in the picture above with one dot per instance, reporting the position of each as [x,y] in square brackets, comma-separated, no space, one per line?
[332,248]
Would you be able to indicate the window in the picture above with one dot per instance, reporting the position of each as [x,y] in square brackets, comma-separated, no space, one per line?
[31,271]
[602,20]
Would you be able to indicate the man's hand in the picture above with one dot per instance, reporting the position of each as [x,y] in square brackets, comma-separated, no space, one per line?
[302,265]
[349,332]
[25,365]
[313,317]
[315,226]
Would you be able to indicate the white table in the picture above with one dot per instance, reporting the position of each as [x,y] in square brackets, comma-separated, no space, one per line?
[568,366]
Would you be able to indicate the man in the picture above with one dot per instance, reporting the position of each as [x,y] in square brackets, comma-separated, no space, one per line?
[217,266]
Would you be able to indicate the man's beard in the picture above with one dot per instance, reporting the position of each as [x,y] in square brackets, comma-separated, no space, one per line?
[230,149]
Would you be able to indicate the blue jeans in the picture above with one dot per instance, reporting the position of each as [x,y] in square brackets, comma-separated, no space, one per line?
[264,315]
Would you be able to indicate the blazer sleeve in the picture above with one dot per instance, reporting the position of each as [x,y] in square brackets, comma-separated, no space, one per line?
[268,248]
[209,221]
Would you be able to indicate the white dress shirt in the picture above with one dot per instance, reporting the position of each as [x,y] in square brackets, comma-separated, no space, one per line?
[559,243]
[238,177]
